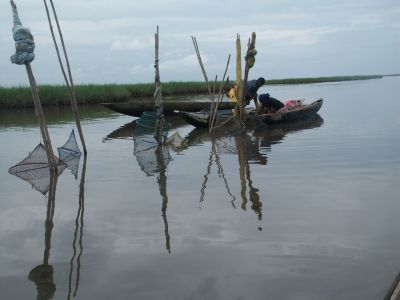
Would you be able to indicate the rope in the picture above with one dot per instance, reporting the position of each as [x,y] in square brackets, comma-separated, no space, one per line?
[24,42]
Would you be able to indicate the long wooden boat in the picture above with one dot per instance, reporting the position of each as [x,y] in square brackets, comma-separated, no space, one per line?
[201,119]
[137,107]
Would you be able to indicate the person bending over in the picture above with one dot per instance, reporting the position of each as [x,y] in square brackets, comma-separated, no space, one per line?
[269,104]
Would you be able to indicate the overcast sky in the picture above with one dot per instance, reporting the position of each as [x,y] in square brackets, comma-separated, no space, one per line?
[113,41]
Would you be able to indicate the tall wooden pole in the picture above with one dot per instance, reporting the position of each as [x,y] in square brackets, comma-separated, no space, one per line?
[158,105]
[239,82]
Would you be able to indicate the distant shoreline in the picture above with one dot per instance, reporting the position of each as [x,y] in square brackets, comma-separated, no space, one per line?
[57,95]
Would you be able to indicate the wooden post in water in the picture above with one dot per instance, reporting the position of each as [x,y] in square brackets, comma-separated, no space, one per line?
[158,95]
[240,89]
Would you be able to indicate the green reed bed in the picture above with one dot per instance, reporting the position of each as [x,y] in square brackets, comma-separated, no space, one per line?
[322,79]
[57,95]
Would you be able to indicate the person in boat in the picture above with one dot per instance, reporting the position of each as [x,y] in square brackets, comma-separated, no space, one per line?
[252,87]
[270,104]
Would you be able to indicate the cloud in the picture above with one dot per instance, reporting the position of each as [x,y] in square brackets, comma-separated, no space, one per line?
[121,45]
[186,61]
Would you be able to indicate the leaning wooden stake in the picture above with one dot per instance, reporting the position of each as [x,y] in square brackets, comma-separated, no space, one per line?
[68,80]
[210,93]
[214,104]
[24,46]
[220,96]
[41,118]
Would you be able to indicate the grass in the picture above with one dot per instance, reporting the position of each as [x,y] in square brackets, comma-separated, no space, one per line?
[57,95]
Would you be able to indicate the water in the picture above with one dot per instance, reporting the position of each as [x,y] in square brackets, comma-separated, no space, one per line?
[303,212]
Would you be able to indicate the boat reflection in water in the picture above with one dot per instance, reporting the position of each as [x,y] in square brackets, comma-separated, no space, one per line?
[153,159]
[125,131]
[250,145]
[44,180]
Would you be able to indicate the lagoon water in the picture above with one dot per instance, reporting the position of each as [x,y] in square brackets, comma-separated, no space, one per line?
[307,211]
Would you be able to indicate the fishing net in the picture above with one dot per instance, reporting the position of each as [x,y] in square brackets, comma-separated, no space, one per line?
[150,155]
[35,169]
[70,154]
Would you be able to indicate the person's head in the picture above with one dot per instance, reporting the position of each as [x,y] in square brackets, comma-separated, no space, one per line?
[260,81]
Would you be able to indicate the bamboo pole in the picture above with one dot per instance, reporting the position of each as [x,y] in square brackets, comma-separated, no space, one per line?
[220,96]
[41,119]
[158,94]
[69,81]
[196,47]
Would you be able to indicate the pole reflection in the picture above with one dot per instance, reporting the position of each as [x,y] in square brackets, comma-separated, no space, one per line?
[42,275]
[35,170]
[78,227]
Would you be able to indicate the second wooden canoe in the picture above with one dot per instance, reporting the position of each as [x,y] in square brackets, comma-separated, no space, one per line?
[137,107]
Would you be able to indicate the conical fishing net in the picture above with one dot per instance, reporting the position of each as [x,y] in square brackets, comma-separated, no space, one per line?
[149,153]
[35,169]
[70,154]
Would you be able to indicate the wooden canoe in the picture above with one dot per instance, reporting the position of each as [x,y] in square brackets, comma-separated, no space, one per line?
[294,113]
[137,107]
[201,119]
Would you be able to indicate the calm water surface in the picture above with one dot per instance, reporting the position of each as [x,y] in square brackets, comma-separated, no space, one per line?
[306,211]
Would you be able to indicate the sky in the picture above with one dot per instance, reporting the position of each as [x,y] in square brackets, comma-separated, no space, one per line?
[113,41]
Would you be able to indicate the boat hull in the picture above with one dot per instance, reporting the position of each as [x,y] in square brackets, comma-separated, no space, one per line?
[137,107]
[201,119]
[300,112]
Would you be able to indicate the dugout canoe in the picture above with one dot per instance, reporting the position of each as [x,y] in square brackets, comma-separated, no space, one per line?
[288,114]
[201,119]
[137,107]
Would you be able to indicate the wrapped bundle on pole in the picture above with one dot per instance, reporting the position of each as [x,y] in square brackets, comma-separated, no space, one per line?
[24,55]
[250,60]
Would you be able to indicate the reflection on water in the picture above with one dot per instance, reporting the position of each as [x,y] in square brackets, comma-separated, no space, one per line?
[42,275]
[249,145]
[153,158]
[78,226]
[35,169]
[325,199]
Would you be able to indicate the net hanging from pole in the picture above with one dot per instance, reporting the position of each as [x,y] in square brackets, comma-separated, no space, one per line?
[70,154]
[146,144]
[35,169]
